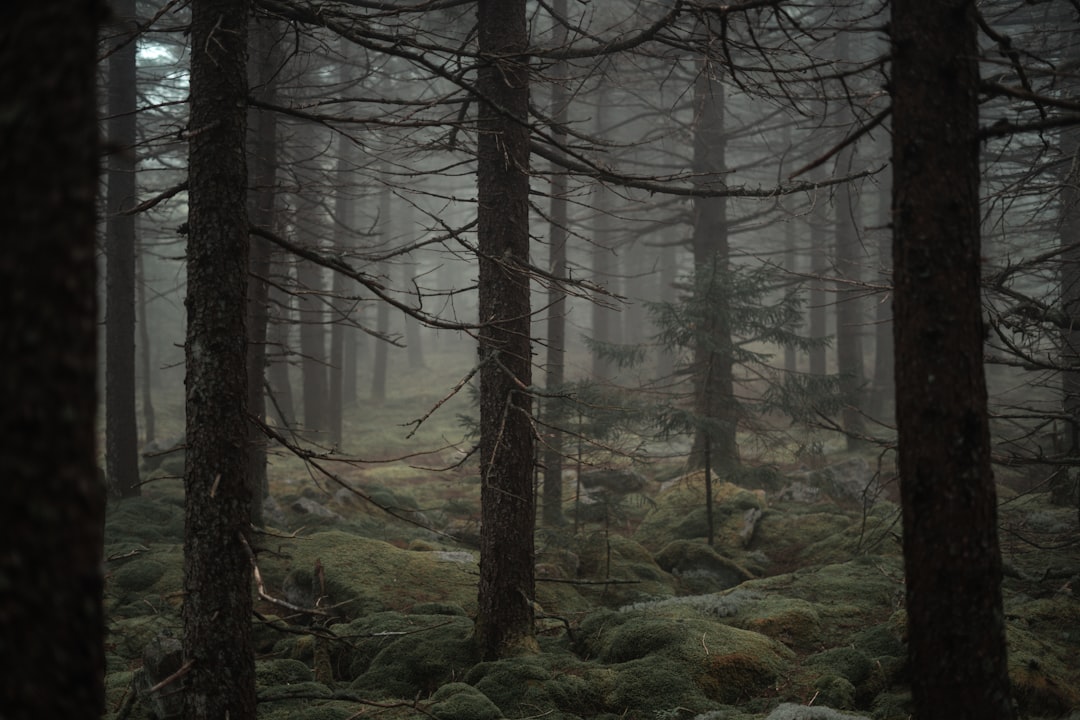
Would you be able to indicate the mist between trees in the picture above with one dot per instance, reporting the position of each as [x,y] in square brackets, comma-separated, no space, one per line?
[537,237]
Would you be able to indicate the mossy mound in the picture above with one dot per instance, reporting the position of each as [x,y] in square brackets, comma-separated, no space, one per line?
[847,597]
[725,664]
[792,621]
[140,583]
[281,671]
[364,575]
[396,655]
[1045,677]
[679,513]
[629,564]
[548,683]
[461,701]
[699,568]
[146,519]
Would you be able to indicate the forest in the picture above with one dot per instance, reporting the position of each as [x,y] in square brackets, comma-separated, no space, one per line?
[482,359]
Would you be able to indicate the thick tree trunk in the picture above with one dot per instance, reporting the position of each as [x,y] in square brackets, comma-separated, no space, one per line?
[217,564]
[52,499]
[121,428]
[951,555]
[555,360]
[504,623]
[881,398]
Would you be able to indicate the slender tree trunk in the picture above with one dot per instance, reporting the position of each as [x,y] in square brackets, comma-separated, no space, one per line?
[714,391]
[669,271]
[382,310]
[121,427]
[555,360]
[52,498]
[341,331]
[217,564]
[791,265]
[261,201]
[312,315]
[504,622]
[849,319]
[603,258]
[146,371]
[956,624]
[819,264]
[279,348]
[882,396]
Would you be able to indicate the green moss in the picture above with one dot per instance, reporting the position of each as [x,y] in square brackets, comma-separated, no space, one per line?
[733,677]
[513,683]
[892,706]
[281,671]
[835,692]
[792,621]
[138,574]
[643,688]
[435,650]
[460,701]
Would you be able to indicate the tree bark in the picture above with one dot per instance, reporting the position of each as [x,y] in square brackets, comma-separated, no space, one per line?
[217,566]
[951,554]
[504,623]
[146,370]
[261,197]
[52,498]
[121,427]
[555,360]
[713,362]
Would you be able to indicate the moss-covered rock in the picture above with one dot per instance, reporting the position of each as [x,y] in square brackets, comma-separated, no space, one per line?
[461,701]
[646,687]
[138,575]
[281,671]
[679,513]
[699,568]
[425,652]
[792,621]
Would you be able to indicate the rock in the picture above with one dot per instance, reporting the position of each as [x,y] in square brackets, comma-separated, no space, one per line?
[162,657]
[307,506]
[700,567]
[619,481]
[847,481]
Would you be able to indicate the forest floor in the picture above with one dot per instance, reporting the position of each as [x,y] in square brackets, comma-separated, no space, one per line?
[796,611]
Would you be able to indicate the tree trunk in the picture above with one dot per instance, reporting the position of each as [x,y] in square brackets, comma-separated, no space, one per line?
[819,263]
[52,498]
[146,370]
[217,564]
[849,320]
[555,360]
[382,310]
[714,393]
[341,331]
[279,348]
[261,198]
[504,622]
[881,399]
[603,258]
[312,318]
[951,555]
[121,427]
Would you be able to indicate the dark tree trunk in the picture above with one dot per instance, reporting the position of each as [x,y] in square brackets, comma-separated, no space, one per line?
[217,563]
[121,428]
[714,392]
[953,565]
[603,258]
[146,371]
[555,360]
[52,498]
[849,320]
[881,399]
[504,622]
[279,348]
[313,371]
[382,347]
[263,143]
[341,331]
[382,310]
[817,322]
[669,271]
